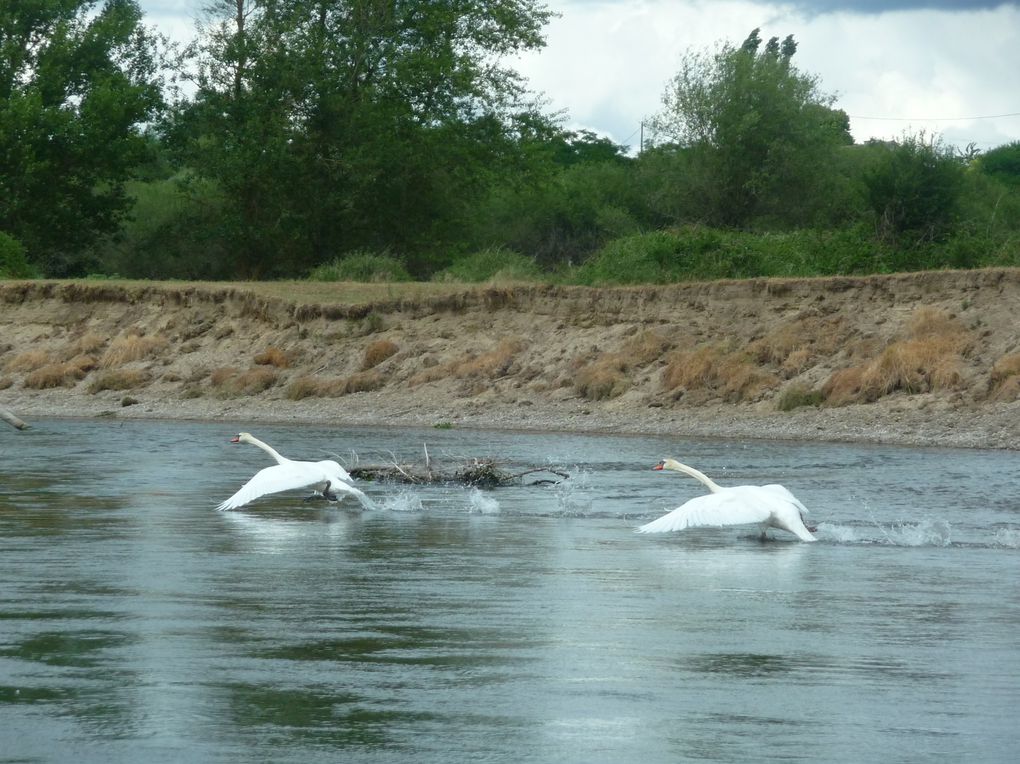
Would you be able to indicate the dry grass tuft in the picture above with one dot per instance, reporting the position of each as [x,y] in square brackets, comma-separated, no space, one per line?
[28,361]
[646,347]
[88,344]
[716,371]
[604,379]
[254,381]
[930,358]
[229,381]
[377,352]
[319,387]
[65,374]
[492,365]
[1004,381]
[608,376]
[844,386]
[131,347]
[363,381]
[305,387]
[220,376]
[795,345]
[118,379]
[273,356]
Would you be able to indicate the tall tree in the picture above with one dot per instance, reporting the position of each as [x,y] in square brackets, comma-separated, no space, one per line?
[757,131]
[78,80]
[336,124]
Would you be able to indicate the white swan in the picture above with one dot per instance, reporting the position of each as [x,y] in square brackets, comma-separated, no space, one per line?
[768,505]
[326,478]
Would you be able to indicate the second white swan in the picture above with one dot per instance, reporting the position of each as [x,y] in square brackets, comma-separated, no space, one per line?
[769,506]
[327,478]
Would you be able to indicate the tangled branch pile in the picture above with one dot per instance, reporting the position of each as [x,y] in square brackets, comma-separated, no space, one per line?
[478,473]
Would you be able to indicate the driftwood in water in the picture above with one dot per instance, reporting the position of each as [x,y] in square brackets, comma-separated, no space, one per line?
[479,473]
[12,420]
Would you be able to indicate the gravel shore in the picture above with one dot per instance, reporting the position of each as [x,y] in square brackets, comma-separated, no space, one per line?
[925,421]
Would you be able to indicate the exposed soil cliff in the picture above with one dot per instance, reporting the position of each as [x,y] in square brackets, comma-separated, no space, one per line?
[914,358]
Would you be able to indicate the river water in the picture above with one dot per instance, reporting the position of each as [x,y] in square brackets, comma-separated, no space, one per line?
[524,624]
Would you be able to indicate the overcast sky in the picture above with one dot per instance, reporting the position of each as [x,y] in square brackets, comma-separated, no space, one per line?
[894,65]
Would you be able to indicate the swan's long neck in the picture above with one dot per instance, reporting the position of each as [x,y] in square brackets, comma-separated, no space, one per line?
[673,464]
[268,449]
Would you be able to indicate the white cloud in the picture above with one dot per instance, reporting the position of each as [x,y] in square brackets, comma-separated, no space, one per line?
[607,62]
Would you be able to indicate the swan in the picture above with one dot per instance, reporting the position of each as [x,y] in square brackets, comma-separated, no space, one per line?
[768,505]
[326,478]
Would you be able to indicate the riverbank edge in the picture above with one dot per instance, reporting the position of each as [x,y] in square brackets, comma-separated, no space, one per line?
[934,423]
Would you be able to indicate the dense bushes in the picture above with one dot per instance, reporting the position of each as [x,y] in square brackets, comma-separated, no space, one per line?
[361,266]
[492,264]
[13,264]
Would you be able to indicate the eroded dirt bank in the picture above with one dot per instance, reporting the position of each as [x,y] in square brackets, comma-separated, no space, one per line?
[930,358]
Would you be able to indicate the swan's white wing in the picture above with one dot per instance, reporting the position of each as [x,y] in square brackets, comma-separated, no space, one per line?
[280,477]
[335,471]
[781,492]
[730,506]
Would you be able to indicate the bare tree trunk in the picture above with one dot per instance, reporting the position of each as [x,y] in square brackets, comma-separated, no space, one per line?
[12,420]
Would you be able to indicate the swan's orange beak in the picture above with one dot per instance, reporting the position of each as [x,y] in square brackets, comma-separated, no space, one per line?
[235,439]
[658,466]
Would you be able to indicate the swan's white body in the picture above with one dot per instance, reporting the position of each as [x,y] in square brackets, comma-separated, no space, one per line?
[325,477]
[769,506]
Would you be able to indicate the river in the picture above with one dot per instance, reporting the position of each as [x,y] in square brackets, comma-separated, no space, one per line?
[522,624]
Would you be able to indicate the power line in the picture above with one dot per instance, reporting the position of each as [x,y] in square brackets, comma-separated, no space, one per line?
[933,118]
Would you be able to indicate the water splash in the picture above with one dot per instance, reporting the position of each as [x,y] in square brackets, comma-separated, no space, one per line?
[482,504]
[405,501]
[1007,537]
[573,496]
[923,533]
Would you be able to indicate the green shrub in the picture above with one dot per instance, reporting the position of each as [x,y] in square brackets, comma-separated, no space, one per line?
[13,264]
[363,266]
[492,264]
[644,258]
[698,253]
[1003,163]
[797,396]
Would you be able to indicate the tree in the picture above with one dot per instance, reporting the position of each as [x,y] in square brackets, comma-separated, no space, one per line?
[333,126]
[78,81]
[1003,163]
[758,131]
[915,190]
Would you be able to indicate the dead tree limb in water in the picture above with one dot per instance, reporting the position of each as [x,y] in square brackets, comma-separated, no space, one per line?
[12,420]
[480,473]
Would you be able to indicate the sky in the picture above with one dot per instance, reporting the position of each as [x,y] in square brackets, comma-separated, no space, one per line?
[895,66]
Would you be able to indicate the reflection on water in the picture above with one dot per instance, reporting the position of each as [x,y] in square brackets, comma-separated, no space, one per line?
[524,624]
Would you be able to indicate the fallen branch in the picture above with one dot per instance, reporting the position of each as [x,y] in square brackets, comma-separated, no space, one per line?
[12,420]
[481,473]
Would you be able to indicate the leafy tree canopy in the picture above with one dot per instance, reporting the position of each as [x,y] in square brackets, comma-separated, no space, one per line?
[758,128]
[333,126]
[78,80]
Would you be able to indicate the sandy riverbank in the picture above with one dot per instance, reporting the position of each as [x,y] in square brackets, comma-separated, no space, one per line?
[921,359]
